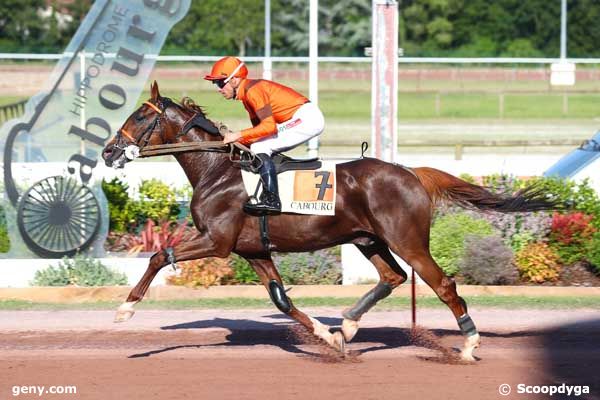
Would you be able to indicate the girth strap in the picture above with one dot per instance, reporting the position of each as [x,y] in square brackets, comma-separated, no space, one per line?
[264,233]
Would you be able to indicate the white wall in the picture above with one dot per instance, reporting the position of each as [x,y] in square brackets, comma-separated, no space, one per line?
[16,273]
[356,268]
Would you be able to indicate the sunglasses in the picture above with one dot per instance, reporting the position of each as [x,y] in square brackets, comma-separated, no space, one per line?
[220,83]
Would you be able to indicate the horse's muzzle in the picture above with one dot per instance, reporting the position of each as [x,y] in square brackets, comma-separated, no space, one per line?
[113,156]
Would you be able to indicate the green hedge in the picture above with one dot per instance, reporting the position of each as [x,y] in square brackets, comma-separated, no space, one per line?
[448,235]
[157,201]
[80,271]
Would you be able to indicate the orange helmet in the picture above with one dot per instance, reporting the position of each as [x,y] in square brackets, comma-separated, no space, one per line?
[227,68]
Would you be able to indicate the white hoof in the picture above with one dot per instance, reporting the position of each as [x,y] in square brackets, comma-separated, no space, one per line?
[338,342]
[349,329]
[125,312]
[335,340]
[471,343]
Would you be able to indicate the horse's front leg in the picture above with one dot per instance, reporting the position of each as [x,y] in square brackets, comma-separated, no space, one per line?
[270,278]
[199,247]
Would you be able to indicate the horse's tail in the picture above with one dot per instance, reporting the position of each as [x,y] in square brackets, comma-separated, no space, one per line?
[443,186]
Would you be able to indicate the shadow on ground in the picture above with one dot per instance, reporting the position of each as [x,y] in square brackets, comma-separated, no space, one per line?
[282,332]
[572,356]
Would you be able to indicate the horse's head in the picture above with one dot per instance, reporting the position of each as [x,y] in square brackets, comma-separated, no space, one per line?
[157,121]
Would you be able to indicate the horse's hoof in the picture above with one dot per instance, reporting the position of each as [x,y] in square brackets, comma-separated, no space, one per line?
[124,312]
[471,343]
[349,329]
[338,342]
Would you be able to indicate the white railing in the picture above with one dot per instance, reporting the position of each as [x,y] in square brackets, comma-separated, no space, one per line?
[401,60]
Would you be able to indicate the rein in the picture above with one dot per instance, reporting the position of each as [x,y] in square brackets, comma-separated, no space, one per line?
[173,148]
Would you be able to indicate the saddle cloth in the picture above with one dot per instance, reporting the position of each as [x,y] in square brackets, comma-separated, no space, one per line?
[309,192]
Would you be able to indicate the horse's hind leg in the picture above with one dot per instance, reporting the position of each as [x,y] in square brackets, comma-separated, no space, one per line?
[391,276]
[269,276]
[445,288]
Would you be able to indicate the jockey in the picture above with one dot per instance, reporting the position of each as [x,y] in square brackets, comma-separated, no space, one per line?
[281,120]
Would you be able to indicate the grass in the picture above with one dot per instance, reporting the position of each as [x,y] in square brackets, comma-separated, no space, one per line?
[393,303]
[4,100]
[356,105]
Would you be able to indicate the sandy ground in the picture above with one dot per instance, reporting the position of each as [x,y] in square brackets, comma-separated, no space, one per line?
[258,354]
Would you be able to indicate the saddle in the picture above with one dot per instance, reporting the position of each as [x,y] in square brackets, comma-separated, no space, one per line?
[284,163]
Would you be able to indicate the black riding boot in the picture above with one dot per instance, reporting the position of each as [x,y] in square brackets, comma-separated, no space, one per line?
[269,198]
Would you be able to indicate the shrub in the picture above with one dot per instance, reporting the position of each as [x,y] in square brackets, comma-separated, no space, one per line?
[242,271]
[4,239]
[203,272]
[503,183]
[153,238]
[157,237]
[538,262]
[122,210]
[580,195]
[592,252]
[518,229]
[570,235]
[315,268]
[157,201]
[80,271]
[448,235]
[488,261]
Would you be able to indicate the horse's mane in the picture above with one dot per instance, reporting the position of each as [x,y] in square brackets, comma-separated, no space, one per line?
[189,104]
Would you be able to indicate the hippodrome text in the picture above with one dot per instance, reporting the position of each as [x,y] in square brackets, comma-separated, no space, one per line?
[111,96]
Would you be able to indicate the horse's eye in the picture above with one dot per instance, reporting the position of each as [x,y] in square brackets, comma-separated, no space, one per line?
[139,117]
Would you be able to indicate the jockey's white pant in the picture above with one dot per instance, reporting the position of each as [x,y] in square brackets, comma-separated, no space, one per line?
[305,124]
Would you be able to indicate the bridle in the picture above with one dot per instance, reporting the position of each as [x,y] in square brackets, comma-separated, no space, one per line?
[133,146]
[138,147]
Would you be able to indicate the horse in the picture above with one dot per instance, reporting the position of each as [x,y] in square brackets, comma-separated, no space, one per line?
[380,208]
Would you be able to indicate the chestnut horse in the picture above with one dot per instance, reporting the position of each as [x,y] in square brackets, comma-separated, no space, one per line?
[379,207]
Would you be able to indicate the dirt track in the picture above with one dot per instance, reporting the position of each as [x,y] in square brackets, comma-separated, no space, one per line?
[256,354]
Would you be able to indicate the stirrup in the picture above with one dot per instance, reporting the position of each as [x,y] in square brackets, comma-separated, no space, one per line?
[269,204]
[260,209]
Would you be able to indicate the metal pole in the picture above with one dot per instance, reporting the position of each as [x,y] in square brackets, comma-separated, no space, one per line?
[384,84]
[82,67]
[267,63]
[563,30]
[413,302]
[313,67]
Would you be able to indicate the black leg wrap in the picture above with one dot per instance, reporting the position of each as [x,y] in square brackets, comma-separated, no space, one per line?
[381,291]
[279,297]
[467,326]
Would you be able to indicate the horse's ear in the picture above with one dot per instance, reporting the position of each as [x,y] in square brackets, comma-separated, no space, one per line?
[154,94]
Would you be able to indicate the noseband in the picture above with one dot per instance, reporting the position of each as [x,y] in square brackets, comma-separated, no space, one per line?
[132,146]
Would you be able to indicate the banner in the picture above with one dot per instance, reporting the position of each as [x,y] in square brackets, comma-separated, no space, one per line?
[53,201]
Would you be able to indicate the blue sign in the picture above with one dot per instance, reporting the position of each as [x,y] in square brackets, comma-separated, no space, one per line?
[576,160]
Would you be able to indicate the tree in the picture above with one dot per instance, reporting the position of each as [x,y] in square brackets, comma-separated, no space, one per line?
[220,27]
[583,28]
[427,25]
[344,27]
[20,27]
